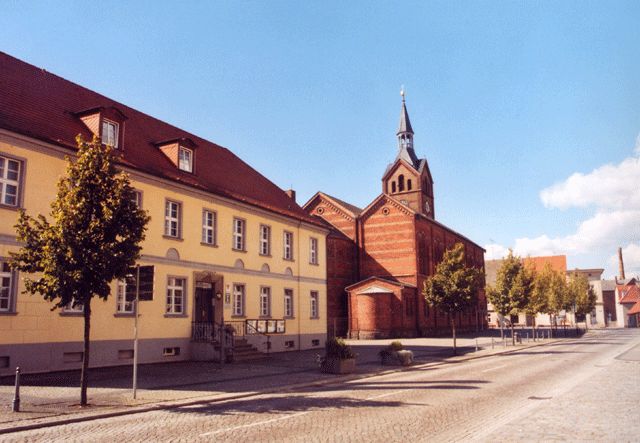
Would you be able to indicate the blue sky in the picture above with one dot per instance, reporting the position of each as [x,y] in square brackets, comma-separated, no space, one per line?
[508,100]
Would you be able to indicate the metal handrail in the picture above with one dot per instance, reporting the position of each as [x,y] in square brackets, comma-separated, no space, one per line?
[243,328]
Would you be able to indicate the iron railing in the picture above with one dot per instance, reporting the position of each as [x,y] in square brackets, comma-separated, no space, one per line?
[210,332]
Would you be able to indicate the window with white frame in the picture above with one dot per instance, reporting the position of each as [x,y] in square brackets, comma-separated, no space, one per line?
[288,303]
[238,300]
[175,295]
[288,245]
[265,240]
[238,234]
[137,198]
[71,308]
[172,219]
[110,133]
[123,306]
[6,288]
[10,170]
[265,301]
[185,159]
[208,227]
[314,307]
[313,251]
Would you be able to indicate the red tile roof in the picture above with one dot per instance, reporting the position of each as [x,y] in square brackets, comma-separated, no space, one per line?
[635,309]
[41,105]
[628,293]
[557,262]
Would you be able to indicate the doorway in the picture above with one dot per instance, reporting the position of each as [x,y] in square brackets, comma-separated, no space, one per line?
[204,307]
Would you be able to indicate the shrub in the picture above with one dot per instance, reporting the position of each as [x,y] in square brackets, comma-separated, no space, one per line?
[337,348]
[396,346]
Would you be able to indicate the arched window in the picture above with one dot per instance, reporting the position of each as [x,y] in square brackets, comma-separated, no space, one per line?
[393,186]
[401,183]
[409,184]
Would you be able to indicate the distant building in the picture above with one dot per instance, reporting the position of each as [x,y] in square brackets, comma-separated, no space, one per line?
[379,257]
[627,298]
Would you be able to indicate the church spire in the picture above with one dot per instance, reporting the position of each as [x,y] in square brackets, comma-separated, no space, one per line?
[405,136]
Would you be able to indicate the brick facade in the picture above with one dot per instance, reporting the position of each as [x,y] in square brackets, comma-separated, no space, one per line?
[379,257]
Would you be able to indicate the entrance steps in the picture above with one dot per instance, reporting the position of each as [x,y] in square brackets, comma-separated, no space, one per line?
[243,351]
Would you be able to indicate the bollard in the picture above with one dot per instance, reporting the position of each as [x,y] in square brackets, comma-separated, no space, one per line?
[491,342]
[527,337]
[476,344]
[16,397]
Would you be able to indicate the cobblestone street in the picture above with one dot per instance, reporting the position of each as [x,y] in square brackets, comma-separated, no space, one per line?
[583,389]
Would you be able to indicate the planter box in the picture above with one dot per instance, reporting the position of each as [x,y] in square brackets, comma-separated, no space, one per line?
[337,366]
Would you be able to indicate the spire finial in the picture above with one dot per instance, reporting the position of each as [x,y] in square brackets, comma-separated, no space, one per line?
[402,92]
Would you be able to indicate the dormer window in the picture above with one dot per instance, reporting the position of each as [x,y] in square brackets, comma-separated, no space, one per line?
[185,159]
[110,133]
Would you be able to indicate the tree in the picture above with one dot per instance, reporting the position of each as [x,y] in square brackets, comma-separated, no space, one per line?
[582,295]
[94,237]
[538,300]
[454,286]
[512,290]
[550,292]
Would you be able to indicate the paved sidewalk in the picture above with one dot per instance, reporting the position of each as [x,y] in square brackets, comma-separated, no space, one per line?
[48,399]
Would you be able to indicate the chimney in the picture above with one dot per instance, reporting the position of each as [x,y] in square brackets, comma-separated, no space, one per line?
[620,264]
[292,194]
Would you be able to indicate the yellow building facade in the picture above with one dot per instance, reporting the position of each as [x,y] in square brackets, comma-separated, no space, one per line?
[218,259]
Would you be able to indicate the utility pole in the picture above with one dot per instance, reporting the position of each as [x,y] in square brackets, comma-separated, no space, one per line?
[135,334]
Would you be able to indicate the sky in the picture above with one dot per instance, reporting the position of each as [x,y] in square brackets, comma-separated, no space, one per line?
[528,112]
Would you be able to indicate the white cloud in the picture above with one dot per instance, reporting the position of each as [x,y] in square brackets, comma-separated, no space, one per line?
[609,186]
[614,192]
[495,251]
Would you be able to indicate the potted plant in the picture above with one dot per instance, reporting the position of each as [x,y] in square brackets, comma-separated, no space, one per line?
[395,353]
[339,357]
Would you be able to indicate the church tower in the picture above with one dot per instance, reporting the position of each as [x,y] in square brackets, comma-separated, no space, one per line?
[408,178]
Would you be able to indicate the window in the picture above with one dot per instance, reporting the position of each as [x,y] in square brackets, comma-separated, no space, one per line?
[6,288]
[288,303]
[265,301]
[401,183]
[409,184]
[238,234]
[137,198]
[185,159]
[238,300]
[110,133]
[393,186]
[265,240]
[288,245]
[208,227]
[71,308]
[9,181]
[314,304]
[175,295]
[313,251]
[172,219]
[123,306]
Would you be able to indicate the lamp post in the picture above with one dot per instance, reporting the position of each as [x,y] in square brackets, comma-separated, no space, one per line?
[135,331]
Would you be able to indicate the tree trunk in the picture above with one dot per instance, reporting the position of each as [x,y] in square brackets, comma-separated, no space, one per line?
[513,337]
[550,326]
[534,326]
[501,321]
[453,331]
[85,354]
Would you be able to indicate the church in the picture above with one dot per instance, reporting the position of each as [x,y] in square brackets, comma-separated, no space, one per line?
[379,257]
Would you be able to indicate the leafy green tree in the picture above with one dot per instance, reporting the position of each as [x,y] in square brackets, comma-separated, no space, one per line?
[538,301]
[512,289]
[93,238]
[454,287]
[551,292]
[582,296]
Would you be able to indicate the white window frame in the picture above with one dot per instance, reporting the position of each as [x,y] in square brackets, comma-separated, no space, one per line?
[108,138]
[239,229]
[185,159]
[123,306]
[288,303]
[7,181]
[265,301]
[238,299]
[265,240]
[287,245]
[69,308]
[209,225]
[172,223]
[7,290]
[314,304]
[313,251]
[176,295]
[137,199]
